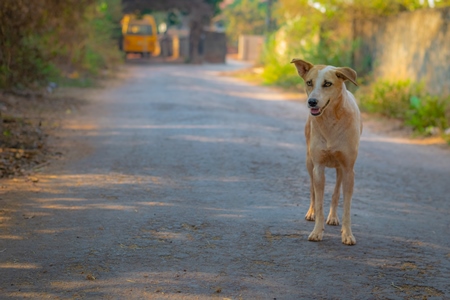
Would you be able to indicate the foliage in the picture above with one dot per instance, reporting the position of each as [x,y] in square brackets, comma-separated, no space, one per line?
[428,112]
[391,99]
[320,31]
[102,33]
[244,17]
[326,10]
[42,40]
[215,5]
[409,102]
[210,7]
[278,70]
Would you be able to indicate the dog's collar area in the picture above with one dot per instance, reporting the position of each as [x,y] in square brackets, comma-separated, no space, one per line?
[318,111]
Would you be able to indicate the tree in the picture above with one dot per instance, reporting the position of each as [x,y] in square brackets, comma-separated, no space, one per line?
[23,60]
[244,17]
[324,31]
[39,39]
[319,28]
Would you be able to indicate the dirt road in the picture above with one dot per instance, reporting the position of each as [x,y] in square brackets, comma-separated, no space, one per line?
[192,185]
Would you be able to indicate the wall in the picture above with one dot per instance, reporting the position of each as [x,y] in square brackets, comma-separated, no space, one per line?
[250,47]
[414,45]
[215,47]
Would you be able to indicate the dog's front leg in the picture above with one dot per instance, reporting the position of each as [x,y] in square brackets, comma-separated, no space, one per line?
[332,216]
[347,186]
[319,186]
[310,214]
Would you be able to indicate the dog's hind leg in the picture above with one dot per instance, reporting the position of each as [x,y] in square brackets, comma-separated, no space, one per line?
[310,214]
[333,218]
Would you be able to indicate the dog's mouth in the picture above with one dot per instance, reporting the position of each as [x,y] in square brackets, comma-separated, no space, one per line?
[317,111]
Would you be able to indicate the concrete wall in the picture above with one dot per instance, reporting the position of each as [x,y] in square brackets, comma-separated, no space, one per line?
[215,47]
[413,45]
[212,48]
[250,47]
[177,47]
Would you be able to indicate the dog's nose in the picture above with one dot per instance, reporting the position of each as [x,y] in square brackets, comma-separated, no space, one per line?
[312,102]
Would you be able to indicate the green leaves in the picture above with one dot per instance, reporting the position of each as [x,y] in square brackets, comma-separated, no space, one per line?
[244,17]
[43,39]
[428,113]
[408,101]
[415,102]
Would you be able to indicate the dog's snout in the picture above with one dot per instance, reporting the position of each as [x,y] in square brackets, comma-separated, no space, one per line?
[312,102]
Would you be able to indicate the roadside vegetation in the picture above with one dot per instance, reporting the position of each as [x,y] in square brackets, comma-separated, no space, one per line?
[45,44]
[59,41]
[243,17]
[323,31]
[49,51]
[408,101]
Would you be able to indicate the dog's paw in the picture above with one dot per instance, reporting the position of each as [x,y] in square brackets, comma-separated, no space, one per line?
[316,236]
[348,239]
[333,221]
[310,216]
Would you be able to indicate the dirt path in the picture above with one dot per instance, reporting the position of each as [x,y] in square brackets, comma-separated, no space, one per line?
[194,186]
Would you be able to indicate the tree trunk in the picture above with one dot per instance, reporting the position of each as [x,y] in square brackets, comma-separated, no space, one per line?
[1,129]
[194,42]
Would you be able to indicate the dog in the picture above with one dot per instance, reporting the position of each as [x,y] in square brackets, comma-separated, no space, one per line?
[332,134]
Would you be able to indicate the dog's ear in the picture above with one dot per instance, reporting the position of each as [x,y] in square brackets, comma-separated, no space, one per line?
[302,66]
[346,74]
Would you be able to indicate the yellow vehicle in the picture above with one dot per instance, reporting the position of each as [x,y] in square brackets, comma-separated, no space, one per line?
[139,35]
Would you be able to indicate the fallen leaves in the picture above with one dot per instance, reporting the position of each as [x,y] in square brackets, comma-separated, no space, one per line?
[25,123]
[90,277]
[16,162]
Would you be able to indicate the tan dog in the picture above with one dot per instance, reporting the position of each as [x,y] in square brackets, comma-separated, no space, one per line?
[332,135]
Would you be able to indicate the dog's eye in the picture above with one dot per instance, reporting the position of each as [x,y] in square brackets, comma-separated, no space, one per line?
[327,84]
[309,83]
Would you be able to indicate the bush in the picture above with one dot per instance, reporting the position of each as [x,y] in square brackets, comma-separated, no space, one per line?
[428,112]
[278,70]
[391,99]
[408,101]
[101,26]
[42,40]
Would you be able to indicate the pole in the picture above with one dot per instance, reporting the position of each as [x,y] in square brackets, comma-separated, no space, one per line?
[269,16]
